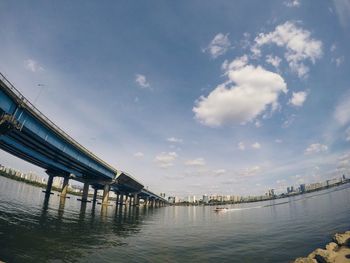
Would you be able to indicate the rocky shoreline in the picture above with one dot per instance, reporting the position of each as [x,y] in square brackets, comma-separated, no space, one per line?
[337,251]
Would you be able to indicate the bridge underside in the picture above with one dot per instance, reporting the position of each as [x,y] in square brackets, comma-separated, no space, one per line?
[26,133]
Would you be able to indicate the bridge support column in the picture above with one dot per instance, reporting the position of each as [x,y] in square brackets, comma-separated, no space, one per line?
[95,195]
[136,200]
[130,200]
[64,187]
[146,201]
[84,197]
[121,199]
[117,200]
[105,194]
[49,185]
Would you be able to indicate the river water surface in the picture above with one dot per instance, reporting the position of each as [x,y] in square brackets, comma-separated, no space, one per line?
[32,230]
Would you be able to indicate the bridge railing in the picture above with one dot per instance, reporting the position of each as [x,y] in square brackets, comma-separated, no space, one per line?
[47,121]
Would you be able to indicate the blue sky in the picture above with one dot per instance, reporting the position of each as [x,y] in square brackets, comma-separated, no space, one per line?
[190,97]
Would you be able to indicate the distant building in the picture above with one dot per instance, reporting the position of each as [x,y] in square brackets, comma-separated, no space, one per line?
[205,199]
[271,193]
[57,182]
[302,188]
[171,199]
[190,199]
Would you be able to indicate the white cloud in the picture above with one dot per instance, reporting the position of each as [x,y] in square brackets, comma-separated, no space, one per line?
[258,124]
[219,45]
[339,61]
[219,172]
[237,63]
[142,81]
[32,65]
[342,111]
[278,141]
[195,162]
[298,44]
[166,159]
[316,148]
[241,146]
[251,171]
[138,154]
[249,92]
[292,3]
[273,60]
[174,140]
[333,47]
[298,98]
[343,162]
[288,121]
[256,145]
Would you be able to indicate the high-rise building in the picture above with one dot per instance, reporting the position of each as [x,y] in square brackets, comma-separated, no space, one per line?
[302,188]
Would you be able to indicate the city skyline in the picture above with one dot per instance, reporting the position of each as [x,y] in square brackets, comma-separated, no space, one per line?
[170,106]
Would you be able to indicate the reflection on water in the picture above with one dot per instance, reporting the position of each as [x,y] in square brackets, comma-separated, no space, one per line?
[59,228]
[33,229]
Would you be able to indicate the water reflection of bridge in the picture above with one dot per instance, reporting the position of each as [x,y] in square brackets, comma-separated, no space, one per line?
[28,134]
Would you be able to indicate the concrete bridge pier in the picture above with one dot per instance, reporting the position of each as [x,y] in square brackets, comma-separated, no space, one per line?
[84,197]
[94,199]
[121,197]
[117,200]
[64,187]
[136,200]
[49,185]
[105,194]
[131,200]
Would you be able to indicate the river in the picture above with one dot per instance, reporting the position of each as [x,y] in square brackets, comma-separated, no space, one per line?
[32,230]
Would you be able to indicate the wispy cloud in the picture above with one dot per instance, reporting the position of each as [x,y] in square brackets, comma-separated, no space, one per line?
[32,65]
[174,140]
[142,81]
[219,45]
[316,148]
[165,159]
[298,98]
[256,145]
[139,155]
[342,111]
[219,172]
[241,146]
[298,43]
[292,3]
[195,162]
[342,9]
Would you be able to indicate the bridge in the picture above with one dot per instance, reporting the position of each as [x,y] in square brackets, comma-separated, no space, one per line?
[28,134]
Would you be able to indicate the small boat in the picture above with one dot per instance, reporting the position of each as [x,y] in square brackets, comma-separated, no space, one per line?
[220,209]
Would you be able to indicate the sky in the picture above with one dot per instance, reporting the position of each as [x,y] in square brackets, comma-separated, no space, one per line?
[190,97]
